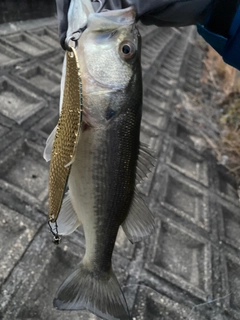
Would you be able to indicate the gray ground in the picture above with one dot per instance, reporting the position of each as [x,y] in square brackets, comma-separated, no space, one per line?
[190,267]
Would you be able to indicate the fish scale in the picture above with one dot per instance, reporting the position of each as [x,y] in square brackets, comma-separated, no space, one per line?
[67,135]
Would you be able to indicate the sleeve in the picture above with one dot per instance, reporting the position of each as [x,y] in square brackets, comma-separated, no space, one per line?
[62,11]
[174,13]
[222,31]
[165,12]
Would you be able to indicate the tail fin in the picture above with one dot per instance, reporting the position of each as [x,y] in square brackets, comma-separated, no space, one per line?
[101,295]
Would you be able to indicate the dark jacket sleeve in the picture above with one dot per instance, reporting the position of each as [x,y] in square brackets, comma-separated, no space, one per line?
[166,12]
[222,31]
[62,12]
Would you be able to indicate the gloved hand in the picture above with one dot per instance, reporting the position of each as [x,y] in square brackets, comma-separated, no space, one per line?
[172,13]
[158,12]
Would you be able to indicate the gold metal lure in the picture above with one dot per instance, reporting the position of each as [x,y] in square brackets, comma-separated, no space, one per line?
[67,134]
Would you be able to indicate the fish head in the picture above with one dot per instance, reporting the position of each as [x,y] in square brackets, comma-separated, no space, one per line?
[109,54]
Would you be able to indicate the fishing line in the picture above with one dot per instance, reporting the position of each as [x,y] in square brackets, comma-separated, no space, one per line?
[209,302]
[193,308]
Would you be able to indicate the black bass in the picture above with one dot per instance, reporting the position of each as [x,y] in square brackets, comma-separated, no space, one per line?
[109,162]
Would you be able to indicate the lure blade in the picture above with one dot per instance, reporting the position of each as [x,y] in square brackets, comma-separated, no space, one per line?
[67,134]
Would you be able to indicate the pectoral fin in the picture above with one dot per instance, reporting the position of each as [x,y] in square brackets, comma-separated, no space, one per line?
[49,145]
[70,163]
[140,221]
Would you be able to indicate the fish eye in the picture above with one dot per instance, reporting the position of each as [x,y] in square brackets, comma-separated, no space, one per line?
[127,50]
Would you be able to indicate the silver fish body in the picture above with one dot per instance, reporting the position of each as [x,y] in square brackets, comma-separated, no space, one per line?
[102,193]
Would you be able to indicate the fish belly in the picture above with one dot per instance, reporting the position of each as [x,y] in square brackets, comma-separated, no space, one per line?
[81,187]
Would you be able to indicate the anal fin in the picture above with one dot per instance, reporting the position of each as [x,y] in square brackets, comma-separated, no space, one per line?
[145,164]
[140,221]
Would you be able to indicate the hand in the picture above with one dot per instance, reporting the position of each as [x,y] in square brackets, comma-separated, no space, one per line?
[173,13]
[158,12]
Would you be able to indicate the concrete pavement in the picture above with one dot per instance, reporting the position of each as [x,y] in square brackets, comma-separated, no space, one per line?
[189,269]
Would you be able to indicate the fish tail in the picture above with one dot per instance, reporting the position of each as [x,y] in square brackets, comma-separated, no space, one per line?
[96,292]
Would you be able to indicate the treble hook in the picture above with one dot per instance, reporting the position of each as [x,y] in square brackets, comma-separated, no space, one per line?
[75,36]
[102,4]
[56,237]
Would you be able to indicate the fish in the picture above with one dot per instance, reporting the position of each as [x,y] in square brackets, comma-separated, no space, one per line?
[109,162]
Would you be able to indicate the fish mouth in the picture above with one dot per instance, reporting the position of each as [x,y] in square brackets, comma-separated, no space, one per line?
[106,20]
[126,15]
[102,92]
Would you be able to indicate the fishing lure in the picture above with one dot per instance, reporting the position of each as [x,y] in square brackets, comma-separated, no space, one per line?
[66,137]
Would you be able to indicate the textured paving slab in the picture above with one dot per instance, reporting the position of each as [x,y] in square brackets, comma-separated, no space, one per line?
[190,267]
[17,103]
[26,43]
